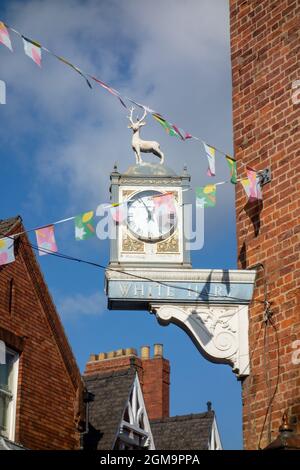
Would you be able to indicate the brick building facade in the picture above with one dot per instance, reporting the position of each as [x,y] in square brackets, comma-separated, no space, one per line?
[41,410]
[265,52]
[45,404]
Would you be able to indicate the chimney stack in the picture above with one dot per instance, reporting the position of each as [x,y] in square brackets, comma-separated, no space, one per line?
[112,361]
[154,374]
[156,384]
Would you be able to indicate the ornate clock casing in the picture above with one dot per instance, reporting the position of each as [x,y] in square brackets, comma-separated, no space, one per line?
[150,270]
[142,238]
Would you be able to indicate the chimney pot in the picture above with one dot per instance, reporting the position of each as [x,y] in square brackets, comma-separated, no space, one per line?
[158,350]
[145,352]
[93,357]
[130,352]
[110,354]
[101,356]
[119,352]
[208,406]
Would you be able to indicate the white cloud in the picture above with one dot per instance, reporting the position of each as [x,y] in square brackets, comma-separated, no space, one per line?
[72,306]
[169,54]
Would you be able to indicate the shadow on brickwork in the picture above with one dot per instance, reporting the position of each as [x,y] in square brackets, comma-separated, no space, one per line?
[253,209]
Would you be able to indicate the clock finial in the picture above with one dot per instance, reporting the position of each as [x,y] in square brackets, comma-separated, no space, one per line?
[139,145]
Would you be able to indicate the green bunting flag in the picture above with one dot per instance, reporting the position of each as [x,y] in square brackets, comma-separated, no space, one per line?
[167,126]
[84,226]
[206,196]
[232,166]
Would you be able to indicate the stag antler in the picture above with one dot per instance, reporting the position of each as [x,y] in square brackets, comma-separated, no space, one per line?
[144,115]
[130,115]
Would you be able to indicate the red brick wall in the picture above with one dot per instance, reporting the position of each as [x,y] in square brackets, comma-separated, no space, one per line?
[156,387]
[94,365]
[48,376]
[154,377]
[265,45]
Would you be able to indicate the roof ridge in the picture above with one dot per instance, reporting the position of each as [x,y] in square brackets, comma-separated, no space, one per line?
[48,305]
[185,417]
[109,373]
[7,225]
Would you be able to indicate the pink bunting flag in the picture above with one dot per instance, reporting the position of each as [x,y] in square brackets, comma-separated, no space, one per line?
[33,50]
[165,210]
[107,87]
[46,240]
[6,251]
[4,36]
[166,201]
[254,184]
[111,90]
[246,185]
[118,212]
[179,132]
[188,136]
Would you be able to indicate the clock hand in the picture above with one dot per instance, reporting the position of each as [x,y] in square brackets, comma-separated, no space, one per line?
[147,209]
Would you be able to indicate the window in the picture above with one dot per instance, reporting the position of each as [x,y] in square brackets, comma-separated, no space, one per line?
[8,393]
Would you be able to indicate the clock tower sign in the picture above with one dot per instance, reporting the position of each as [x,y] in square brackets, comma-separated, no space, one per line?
[150,267]
[153,231]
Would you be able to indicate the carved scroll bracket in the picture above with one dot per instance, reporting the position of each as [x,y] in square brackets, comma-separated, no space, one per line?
[219,331]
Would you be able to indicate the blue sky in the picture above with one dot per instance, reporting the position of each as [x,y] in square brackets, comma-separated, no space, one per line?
[59,141]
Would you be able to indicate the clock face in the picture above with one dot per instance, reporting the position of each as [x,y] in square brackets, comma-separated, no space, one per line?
[151,215]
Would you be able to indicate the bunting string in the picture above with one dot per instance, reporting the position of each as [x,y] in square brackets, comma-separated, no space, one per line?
[33,50]
[84,223]
[135,276]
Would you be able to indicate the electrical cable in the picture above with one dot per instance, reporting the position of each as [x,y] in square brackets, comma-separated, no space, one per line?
[277,382]
[249,380]
[266,321]
[136,276]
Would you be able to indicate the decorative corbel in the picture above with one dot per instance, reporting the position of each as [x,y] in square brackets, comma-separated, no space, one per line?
[220,332]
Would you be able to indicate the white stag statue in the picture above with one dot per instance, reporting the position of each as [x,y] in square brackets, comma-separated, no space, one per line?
[139,145]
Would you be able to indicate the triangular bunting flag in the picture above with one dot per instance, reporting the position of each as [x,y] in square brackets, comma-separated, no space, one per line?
[33,50]
[233,171]
[188,136]
[210,153]
[118,212]
[166,201]
[179,132]
[4,36]
[169,128]
[254,184]
[246,185]
[107,87]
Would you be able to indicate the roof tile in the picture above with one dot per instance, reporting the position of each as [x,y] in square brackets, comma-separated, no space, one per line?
[111,390]
[187,432]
